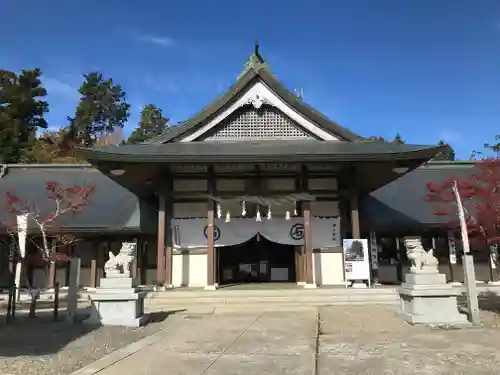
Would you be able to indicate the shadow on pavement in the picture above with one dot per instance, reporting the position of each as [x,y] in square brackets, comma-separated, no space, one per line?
[42,335]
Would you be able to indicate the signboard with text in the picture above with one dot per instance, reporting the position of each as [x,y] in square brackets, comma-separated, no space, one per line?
[356,259]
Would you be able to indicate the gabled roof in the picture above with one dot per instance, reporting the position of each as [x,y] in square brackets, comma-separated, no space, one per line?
[256,69]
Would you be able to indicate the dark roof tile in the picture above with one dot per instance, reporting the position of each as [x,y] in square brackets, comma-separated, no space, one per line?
[111,207]
[402,203]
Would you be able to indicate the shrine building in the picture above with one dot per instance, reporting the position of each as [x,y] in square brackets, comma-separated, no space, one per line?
[256,187]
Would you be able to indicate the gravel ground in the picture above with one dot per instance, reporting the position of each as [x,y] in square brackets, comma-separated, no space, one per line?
[372,340]
[42,346]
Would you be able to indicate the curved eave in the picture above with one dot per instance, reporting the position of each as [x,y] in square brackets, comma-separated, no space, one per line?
[291,156]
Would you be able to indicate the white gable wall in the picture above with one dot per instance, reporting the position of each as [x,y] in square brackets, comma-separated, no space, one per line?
[257,95]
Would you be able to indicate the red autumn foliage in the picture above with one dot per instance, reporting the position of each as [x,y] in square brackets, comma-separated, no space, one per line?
[65,201]
[480,193]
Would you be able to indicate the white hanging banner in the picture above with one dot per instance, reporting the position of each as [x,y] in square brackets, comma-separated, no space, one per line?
[192,233]
[22,230]
[356,259]
[452,247]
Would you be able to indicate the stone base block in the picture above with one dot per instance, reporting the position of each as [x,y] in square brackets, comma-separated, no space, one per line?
[118,309]
[210,287]
[358,285]
[117,283]
[425,278]
[310,286]
[430,304]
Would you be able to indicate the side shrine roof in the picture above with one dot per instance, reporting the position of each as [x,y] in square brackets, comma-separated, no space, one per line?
[111,208]
[402,203]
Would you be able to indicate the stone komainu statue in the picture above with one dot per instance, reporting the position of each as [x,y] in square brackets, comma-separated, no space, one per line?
[421,260]
[119,265]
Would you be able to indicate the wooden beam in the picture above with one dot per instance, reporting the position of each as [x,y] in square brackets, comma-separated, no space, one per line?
[236,193]
[160,250]
[250,175]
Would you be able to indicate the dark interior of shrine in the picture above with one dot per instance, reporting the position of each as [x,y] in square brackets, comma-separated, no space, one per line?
[256,260]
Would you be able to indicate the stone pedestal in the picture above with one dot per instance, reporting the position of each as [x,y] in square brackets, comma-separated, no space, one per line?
[426,298]
[117,302]
[356,284]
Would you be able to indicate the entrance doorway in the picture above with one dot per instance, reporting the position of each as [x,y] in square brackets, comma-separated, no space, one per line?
[257,260]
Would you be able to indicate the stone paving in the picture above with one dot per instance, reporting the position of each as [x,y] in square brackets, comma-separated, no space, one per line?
[351,340]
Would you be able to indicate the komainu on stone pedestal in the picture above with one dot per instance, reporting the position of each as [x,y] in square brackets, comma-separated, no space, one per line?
[421,261]
[117,301]
[425,296]
[119,266]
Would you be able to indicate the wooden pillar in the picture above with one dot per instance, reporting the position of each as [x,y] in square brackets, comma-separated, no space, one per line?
[93,264]
[168,231]
[400,251]
[134,267]
[211,259]
[356,232]
[210,247]
[143,263]
[297,264]
[306,214]
[308,245]
[302,265]
[160,250]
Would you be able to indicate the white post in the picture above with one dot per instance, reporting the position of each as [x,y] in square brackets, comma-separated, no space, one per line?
[467,263]
[22,229]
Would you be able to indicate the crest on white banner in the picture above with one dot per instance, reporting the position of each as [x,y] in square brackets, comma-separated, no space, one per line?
[193,233]
[22,231]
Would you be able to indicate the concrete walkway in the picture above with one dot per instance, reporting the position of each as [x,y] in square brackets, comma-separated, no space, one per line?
[254,343]
[352,340]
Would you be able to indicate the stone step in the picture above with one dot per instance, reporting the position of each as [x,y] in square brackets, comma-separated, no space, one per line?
[275,297]
[235,293]
[215,308]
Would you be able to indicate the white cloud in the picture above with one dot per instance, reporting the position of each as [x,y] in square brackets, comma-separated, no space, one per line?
[56,86]
[162,41]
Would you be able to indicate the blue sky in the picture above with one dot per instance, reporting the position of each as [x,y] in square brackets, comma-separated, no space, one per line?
[427,69]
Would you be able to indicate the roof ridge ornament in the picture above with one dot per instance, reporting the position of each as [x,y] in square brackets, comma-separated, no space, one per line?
[255,60]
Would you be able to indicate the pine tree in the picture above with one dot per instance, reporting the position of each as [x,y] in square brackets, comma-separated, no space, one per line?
[102,109]
[21,112]
[152,123]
